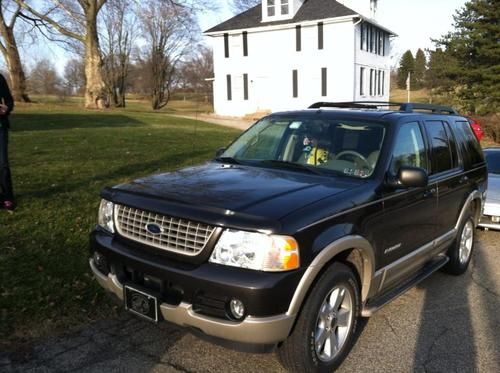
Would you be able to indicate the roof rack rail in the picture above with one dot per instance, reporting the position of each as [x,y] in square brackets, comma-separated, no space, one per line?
[409,107]
[438,109]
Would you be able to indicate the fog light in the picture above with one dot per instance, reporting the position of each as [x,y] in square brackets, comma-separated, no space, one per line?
[237,309]
[101,263]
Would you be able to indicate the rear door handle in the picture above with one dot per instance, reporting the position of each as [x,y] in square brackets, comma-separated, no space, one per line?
[464,179]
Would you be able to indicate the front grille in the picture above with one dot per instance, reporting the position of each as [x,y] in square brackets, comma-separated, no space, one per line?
[177,235]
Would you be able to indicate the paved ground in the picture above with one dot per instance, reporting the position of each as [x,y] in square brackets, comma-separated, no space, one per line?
[447,324]
[239,123]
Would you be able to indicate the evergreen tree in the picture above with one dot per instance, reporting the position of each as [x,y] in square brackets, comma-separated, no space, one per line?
[406,65]
[419,69]
[474,44]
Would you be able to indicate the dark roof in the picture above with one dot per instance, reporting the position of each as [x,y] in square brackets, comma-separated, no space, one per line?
[311,10]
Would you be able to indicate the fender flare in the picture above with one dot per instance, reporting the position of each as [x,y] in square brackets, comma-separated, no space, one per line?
[325,256]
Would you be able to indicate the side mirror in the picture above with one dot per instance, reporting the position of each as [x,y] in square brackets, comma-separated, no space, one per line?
[409,177]
[219,152]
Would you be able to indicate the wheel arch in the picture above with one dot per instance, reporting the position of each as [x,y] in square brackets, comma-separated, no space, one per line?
[354,250]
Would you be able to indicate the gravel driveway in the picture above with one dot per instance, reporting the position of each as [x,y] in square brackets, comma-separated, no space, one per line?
[446,324]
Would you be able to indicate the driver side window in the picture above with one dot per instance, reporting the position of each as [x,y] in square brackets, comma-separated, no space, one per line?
[409,149]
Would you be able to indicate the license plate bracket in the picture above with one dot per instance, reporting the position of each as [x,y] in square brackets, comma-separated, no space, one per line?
[140,303]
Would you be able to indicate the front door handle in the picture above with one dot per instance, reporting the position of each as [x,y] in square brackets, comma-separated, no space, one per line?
[430,193]
[464,179]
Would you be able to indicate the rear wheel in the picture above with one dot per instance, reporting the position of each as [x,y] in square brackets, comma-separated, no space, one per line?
[460,252]
[325,329]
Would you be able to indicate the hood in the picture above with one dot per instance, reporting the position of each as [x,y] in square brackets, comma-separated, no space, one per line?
[493,192]
[231,189]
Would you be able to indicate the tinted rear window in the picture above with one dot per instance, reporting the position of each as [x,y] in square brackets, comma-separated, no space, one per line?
[469,144]
[441,158]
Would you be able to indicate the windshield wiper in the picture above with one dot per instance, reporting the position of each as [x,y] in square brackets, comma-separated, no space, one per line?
[297,166]
[230,160]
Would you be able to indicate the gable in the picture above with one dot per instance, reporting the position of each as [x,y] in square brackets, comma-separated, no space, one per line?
[311,10]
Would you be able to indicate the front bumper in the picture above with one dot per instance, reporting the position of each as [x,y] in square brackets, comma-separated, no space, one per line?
[266,296]
[254,330]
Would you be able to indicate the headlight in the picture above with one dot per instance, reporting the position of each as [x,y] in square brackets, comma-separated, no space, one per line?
[105,218]
[257,251]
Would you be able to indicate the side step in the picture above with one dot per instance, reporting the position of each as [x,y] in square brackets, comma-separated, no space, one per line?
[371,307]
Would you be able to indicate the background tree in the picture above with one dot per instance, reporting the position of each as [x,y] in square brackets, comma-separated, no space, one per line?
[196,72]
[74,77]
[119,25]
[169,31]
[474,44]
[239,6]
[44,79]
[406,66]
[9,14]
[419,68]
[76,20]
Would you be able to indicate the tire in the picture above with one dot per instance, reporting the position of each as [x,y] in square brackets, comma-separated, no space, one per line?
[460,252]
[318,320]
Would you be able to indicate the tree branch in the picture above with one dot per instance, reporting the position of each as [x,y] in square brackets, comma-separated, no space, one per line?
[44,19]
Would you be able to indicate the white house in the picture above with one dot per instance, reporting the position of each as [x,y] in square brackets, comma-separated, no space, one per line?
[287,54]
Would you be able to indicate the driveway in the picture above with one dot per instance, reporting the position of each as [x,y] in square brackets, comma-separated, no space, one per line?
[446,324]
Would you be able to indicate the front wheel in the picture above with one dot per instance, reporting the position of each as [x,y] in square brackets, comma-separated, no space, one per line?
[326,326]
[460,252]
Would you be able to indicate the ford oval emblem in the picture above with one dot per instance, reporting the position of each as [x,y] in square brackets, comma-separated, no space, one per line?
[154,229]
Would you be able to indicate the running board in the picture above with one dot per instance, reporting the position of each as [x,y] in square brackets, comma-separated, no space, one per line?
[372,306]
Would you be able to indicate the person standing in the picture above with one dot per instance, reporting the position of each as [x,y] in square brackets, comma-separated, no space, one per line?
[6,106]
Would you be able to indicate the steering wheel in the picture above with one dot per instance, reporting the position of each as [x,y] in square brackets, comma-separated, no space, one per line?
[356,154]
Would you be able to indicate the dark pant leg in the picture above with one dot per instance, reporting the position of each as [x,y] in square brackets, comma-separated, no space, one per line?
[5,179]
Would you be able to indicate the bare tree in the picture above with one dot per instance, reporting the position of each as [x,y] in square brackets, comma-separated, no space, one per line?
[77,20]
[74,76]
[197,71]
[239,6]
[169,31]
[119,34]
[44,79]
[9,13]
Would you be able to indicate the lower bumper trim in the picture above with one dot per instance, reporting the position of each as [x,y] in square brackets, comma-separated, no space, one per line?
[253,330]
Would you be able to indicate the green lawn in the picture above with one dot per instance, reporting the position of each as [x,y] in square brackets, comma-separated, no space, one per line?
[61,156]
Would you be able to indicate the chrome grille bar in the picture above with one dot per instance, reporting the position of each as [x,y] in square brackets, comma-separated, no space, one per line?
[177,235]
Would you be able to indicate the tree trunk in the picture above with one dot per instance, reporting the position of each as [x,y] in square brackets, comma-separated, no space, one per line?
[15,67]
[94,88]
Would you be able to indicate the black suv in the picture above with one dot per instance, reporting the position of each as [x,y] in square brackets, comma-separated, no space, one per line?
[306,222]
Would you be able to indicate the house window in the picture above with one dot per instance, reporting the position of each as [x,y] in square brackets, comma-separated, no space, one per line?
[284,7]
[295,83]
[271,10]
[383,83]
[363,37]
[226,45]
[362,81]
[320,35]
[372,82]
[324,81]
[298,38]
[372,39]
[379,82]
[245,86]
[229,88]
[383,44]
[245,43]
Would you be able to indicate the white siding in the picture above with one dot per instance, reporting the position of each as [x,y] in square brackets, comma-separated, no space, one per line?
[272,57]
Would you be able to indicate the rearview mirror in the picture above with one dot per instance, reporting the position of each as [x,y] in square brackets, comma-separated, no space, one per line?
[409,177]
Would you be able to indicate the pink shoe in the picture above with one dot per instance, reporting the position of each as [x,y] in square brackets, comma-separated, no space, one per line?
[9,205]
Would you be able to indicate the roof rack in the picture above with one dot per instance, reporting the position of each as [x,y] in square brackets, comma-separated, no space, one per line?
[409,107]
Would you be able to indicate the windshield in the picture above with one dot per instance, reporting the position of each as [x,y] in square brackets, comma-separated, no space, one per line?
[350,148]
[493,161]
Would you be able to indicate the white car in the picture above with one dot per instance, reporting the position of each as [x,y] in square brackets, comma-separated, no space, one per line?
[491,214]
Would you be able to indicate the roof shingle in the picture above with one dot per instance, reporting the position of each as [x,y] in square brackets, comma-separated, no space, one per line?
[311,10]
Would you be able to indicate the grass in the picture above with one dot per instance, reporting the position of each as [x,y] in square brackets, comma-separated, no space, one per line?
[61,157]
